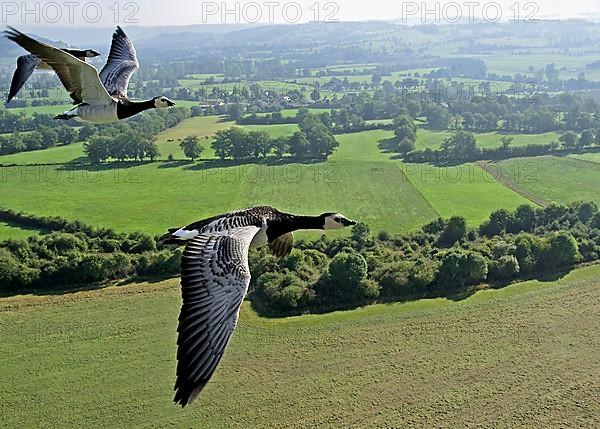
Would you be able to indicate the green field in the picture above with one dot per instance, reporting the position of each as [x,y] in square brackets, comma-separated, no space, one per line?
[12,231]
[201,126]
[525,356]
[53,155]
[464,190]
[554,179]
[590,157]
[358,180]
[277,130]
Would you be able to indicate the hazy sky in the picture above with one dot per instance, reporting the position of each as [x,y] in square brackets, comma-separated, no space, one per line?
[180,12]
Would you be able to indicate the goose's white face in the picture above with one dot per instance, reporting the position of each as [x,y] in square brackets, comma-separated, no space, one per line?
[337,221]
[162,102]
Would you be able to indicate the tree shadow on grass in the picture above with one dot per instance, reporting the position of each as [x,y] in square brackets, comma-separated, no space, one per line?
[62,290]
[105,166]
[541,277]
[174,164]
[13,224]
[213,164]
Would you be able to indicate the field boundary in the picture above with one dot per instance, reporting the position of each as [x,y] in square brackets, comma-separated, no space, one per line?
[417,189]
[490,168]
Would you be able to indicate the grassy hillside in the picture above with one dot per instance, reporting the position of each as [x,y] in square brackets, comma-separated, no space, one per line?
[358,180]
[525,356]
[464,190]
[560,180]
[179,193]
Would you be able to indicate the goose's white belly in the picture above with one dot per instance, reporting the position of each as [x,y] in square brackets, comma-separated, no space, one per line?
[99,114]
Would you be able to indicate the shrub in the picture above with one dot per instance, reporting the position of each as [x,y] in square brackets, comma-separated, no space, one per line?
[507,267]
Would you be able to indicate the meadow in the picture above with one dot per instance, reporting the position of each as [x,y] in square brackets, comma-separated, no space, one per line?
[555,179]
[107,358]
[464,190]
[358,180]
[182,191]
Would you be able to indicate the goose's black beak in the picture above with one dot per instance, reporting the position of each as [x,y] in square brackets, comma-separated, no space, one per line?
[348,222]
[170,103]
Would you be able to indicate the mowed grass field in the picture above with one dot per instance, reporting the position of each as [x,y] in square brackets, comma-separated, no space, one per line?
[556,179]
[522,356]
[357,180]
[464,190]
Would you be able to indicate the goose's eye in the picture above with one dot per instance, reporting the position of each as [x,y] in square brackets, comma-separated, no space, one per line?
[337,219]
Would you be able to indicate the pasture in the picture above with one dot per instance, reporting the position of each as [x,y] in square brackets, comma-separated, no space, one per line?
[464,190]
[181,192]
[106,358]
[555,179]
[358,180]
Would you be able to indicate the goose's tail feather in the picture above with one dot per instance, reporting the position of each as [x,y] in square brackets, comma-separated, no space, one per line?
[168,238]
[177,236]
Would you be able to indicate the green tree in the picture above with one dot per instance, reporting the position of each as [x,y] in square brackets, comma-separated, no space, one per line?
[438,117]
[321,141]
[506,141]
[348,279]
[235,110]
[191,147]
[525,217]
[562,250]
[260,143]
[281,146]
[459,268]
[455,230]
[460,146]
[506,267]
[528,252]
[299,145]
[587,138]
[569,139]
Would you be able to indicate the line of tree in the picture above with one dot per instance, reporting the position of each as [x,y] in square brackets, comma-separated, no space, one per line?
[338,121]
[42,138]
[37,132]
[131,140]
[71,253]
[313,141]
[444,258]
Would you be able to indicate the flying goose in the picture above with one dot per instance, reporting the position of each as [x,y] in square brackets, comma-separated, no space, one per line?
[214,279]
[98,101]
[27,64]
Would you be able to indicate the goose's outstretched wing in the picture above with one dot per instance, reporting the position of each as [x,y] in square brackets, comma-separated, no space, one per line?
[214,280]
[78,77]
[26,65]
[121,64]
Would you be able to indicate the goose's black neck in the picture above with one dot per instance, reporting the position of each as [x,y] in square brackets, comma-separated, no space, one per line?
[289,223]
[131,108]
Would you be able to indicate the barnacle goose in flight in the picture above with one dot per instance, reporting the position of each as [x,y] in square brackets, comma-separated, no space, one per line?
[100,98]
[214,279]
[27,64]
